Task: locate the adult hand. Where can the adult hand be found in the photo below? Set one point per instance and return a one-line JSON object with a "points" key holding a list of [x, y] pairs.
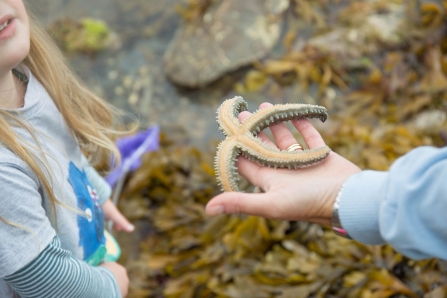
{"points": [[120, 223], [120, 274], [306, 194]]}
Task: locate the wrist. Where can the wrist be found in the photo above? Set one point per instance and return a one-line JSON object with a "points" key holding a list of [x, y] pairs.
{"points": [[336, 223], [326, 212]]}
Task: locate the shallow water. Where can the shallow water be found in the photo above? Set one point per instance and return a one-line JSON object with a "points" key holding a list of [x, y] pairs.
{"points": [[131, 75]]}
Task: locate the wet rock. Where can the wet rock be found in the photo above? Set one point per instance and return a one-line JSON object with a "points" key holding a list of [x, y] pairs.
{"points": [[228, 35], [50, 10], [365, 31], [88, 36], [428, 121]]}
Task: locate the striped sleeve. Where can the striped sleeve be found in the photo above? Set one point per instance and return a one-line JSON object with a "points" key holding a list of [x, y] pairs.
{"points": [[55, 273]]}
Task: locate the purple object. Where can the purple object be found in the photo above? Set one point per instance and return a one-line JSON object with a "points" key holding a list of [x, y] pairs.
{"points": [[132, 148]]}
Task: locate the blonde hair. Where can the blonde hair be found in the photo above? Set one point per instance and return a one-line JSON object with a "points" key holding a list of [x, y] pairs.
{"points": [[88, 116]]}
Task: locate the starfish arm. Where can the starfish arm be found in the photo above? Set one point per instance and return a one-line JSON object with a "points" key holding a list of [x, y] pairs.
{"points": [[225, 165], [261, 119], [227, 115], [254, 149], [241, 138]]}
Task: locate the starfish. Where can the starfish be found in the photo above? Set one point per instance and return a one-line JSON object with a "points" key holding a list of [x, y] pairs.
{"points": [[241, 138]]}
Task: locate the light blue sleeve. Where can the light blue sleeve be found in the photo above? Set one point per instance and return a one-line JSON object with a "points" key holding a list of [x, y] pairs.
{"points": [[405, 207], [101, 186]]}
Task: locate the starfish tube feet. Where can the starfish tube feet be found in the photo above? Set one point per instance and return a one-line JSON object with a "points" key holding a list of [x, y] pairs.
{"points": [[241, 138]]}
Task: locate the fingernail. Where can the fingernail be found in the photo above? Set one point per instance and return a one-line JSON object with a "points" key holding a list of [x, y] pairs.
{"points": [[215, 210], [130, 228]]}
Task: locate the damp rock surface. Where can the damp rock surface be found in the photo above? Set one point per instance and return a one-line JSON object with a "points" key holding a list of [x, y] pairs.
{"points": [[227, 35]]}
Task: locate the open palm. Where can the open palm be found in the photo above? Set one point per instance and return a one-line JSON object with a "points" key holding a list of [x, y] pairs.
{"points": [[303, 194]]}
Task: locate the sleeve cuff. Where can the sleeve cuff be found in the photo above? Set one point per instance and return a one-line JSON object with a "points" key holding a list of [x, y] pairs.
{"points": [[359, 206]]}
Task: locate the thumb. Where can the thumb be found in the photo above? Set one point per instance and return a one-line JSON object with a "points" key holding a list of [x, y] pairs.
{"points": [[260, 204]]}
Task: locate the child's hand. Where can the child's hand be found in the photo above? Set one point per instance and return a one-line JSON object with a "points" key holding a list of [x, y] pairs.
{"points": [[120, 274], [120, 223]]}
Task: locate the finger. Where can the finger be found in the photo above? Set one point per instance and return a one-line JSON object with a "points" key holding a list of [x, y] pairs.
{"points": [[244, 115], [120, 223], [311, 136], [249, 170], [283, 137], [242, 203]]}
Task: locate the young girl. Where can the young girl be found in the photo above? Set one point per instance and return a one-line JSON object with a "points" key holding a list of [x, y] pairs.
{"points": [[51, 218]]}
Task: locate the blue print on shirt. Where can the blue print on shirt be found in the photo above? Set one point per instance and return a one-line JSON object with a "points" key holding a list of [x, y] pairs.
{"points": [[91, 228]]}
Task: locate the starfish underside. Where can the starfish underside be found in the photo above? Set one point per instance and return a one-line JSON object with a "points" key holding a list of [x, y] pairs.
{"points": [[241, 138]]}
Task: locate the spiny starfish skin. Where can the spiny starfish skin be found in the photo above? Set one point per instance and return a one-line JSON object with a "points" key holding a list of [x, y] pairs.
{"points": [[241, 138]]}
